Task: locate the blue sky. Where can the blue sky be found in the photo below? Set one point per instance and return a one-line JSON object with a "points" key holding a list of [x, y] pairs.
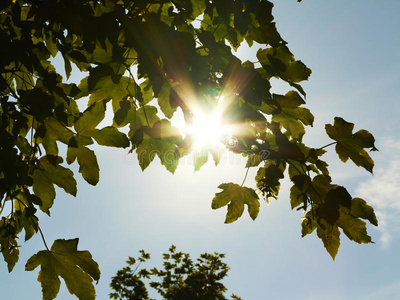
{"points": [[352, 47]]}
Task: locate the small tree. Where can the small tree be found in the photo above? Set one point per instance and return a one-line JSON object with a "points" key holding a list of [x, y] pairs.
{"points": [[181, 278]]}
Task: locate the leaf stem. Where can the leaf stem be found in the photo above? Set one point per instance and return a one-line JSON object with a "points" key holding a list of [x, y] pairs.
{"points": [[43, 239], [38, 226], [245, 176], [333, 143]]}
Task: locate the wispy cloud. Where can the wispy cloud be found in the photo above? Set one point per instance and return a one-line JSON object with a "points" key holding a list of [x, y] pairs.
{"points": [[382, 191]]}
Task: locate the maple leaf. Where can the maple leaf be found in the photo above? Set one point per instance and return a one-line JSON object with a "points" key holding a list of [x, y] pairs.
{"points": [[77, 268], [236, 196], [351, 145]]}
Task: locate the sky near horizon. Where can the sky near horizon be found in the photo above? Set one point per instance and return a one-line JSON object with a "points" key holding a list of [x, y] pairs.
{"points": [[352, 48]]}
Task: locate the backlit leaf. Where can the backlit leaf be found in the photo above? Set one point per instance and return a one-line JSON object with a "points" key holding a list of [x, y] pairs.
{"points": [[268, 180], [77, 268], [44, 189], [351, 145], [354, 228], [280, 62], [291, 116], [54, 131], [330, 236], [236, 197], [199, 159], [61, 176], [164, 101], [165, 150], [91, 117], [360, 209], [88, 166], [110, 136], [106, 88]]}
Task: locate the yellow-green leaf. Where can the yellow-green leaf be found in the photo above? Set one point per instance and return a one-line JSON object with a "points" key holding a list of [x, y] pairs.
{"points": [[110, 136], [351, 145], [59, 175], [88, 166], [77, 268], [354, 228], [360, 209], [291, 115], [44, 189], [164, 149], [236, 196], [330, 236], [91, 117]]}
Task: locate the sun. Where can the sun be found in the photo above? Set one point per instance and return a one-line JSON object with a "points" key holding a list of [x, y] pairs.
{"points": [[207, 130]]}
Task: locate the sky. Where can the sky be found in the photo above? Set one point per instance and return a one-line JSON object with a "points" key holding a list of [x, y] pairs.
{"points": [[352, 50]]}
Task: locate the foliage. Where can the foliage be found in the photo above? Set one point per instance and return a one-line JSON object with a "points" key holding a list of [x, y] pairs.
{"points": [[128, 50], [77, 268], [181, 277]]}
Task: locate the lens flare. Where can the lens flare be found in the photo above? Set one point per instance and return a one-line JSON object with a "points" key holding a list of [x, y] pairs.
{"points": [[207, 130]]}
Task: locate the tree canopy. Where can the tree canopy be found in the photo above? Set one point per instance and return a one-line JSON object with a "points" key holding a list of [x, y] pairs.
{"points": [[180, 278], [180, 53]]}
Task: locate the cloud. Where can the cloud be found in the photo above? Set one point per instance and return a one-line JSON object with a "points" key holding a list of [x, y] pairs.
{"points": [[383, 189]]}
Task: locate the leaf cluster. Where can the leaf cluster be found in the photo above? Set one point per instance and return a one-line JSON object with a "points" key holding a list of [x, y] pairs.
{"points": [[179, 53]]}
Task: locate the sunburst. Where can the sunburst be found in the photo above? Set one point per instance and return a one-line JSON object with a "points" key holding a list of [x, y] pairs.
{"points": [[207, 130]]}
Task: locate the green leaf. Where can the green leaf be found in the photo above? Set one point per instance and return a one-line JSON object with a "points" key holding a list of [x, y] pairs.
{"points": [[72, 150], [268, 180], [88, 166], [110, 136], [77, 268], [335, 199], [351, 145], [144, 116], [321, 187], [49, 173], [165, 150], [280, 62], [330, 236], [124, 113], [198, 7], [216, 154], [199, 159], [61, 176], [24, 213], [51, 44], [360, 209], [44, 189], [236, 197], [106, 88], [67, 66], [89, 120], [291, 116], [8, 244], [159, 140], [299, 192], [54, 131], [308, 225], [164, 101], [147, 92], [354, 228]]}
